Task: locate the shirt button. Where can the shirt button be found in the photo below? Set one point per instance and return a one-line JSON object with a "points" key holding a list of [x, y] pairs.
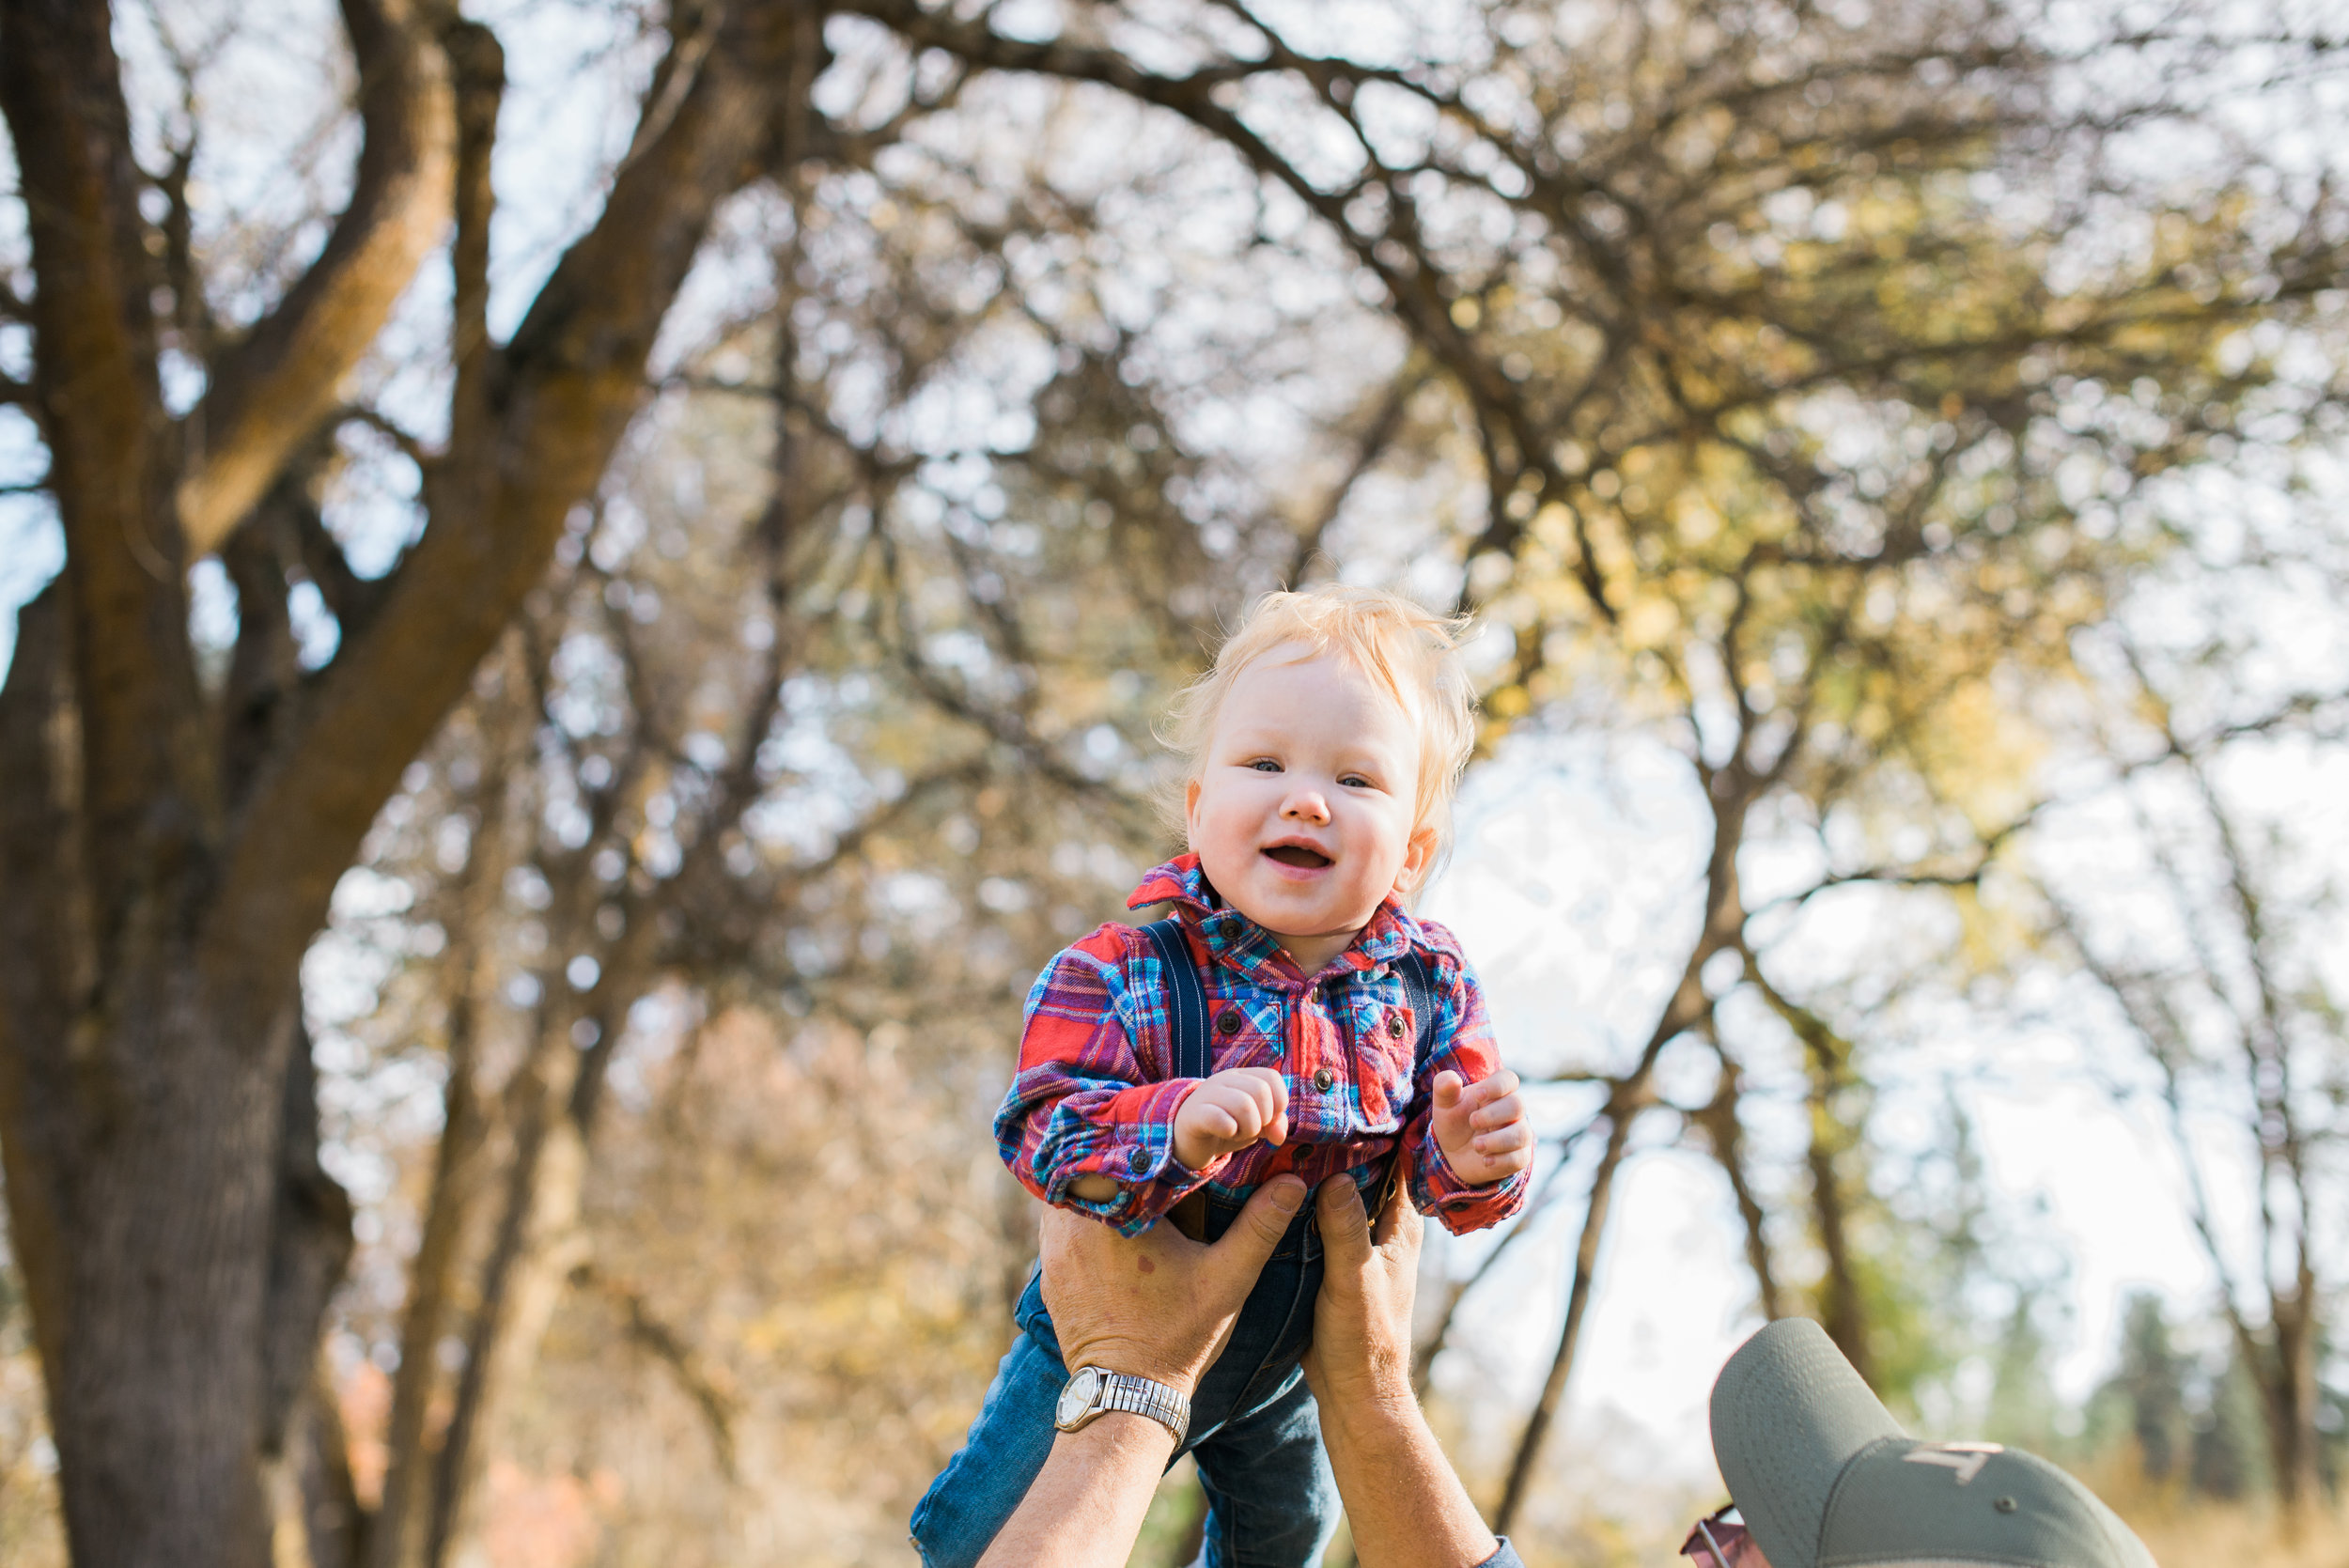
{"points": [[1394, 1025], [1229, 1023], [1323, 1077], [1138, 1160]]}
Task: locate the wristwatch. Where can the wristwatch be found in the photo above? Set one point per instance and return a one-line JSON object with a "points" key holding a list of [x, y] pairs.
{"points": [[1092, 1390]]}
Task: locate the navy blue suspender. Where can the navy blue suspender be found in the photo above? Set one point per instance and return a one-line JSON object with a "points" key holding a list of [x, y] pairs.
{"points": [[1186, 999]]}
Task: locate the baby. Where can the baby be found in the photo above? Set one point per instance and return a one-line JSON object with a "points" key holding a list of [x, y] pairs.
{"points": [[1339, 1034]]}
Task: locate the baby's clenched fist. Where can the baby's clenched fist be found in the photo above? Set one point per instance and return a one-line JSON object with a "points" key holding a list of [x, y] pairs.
{"points": [[1481, 1127], [1229, 1111]]}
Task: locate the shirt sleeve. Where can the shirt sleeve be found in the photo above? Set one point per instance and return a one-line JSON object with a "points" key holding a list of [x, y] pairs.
{"points": [[1084, 1104], [1463, 1044]]}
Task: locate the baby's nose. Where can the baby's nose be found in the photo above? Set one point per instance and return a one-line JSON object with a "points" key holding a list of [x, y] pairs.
{"points": [[1308, 804]]}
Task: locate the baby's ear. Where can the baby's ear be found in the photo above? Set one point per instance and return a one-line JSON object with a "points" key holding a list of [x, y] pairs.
{"points": [[1418, 859]]}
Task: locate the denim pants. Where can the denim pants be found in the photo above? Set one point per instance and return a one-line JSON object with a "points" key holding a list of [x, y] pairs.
{"points": [[1272, 1500]]}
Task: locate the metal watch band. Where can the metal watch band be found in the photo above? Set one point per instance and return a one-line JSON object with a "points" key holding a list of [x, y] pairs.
{"points": [[1143, 1397], [1139, 1396]]}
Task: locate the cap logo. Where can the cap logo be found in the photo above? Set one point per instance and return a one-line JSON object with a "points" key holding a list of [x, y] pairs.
{"points": [[1967, 1459]]}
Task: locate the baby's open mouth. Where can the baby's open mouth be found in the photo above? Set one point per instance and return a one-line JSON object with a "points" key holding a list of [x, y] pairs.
{"points": [[1297, 855]]}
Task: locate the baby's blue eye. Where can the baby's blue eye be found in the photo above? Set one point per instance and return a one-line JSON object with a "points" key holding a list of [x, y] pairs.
{"points": [[1264, 764], [1356, 781]]}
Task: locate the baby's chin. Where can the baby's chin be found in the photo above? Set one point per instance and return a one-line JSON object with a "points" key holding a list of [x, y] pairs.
{"points": [[1307, 918]]}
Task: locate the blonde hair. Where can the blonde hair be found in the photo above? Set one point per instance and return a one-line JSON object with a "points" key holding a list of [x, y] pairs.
{"points": [[1410, 651]]}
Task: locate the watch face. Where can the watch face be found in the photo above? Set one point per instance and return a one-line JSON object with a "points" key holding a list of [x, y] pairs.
{"points": [[1076, 1399]]}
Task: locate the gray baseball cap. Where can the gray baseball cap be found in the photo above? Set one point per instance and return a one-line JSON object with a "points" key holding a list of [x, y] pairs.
{"points": [[1825, 1477]]}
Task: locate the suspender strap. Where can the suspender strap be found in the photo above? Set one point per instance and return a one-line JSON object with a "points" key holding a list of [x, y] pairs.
{"points": [[1418, 989], [1186, 998]]}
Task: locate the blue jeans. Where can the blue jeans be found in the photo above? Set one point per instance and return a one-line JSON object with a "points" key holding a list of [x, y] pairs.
{"points": [[1272, 1500]]}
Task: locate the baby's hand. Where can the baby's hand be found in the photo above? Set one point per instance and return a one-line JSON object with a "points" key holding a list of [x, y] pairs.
{"points": [[1230, 1110], [1481, 1127]]}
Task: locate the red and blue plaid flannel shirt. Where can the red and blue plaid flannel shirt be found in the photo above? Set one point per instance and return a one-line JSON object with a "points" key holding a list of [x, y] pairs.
{"points": [[1095, 1096]]}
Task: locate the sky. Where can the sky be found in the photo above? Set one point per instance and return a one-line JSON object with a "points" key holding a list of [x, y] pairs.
{"points": [[1575, 856]]}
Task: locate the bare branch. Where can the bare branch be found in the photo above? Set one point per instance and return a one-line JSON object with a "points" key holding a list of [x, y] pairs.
{"points": [[270, 390], [1724, 1133], [647, 1329], [411, 446], [1377, 436], [478, 65]]}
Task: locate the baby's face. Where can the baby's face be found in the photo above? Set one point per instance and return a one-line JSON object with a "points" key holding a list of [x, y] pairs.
{"points": [[1302, 816]]}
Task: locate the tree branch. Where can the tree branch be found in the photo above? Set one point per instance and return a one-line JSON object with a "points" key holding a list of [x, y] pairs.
{"points": [[646, 1328], [478, 65], [147, 797], [560, 397], [390, 429], [1372, 446], [271, 389]]}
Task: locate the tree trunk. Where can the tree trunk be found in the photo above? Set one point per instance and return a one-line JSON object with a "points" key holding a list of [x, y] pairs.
{"points": [[143, 1115], [150, 1146], [1841, 1312], [1724, 1130], [164, 868], [1730, 790], [2288, 1389], [1620, 1117], [1842, 1308]]}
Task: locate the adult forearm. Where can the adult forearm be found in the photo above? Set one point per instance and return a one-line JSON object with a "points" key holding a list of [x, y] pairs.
{"points": [[1086, 1505], [1404, 1505]]}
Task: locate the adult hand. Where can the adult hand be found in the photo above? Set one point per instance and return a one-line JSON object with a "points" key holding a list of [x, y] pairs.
{"points": [[1361, 1350], [1403, 1502], [1161, 1305]]}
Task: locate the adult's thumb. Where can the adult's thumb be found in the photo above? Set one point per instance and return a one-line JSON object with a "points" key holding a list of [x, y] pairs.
{"points": [[1261, 1225]]}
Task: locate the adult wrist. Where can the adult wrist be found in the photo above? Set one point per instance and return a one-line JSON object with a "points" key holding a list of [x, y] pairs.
{"points": [[1371, 1412], [1123, 1432], [1139, 1361]]}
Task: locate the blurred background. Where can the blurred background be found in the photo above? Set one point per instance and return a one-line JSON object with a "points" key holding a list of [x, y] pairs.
{"points": [[684, 652]]}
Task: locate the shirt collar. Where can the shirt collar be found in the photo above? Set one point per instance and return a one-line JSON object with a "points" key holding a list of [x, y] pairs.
{"points": [[1249, 947]]}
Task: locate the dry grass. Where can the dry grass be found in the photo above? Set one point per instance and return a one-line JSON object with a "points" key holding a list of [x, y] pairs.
{"points": [[2187, 1532]]}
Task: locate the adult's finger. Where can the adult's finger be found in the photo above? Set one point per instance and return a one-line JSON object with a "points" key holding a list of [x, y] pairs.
{"points": [[1399, 1218], [1258, 1229], [1345, 1227]]}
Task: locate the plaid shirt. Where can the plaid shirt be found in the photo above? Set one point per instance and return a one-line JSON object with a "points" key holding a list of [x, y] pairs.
{"points": [[1095, 1095]]}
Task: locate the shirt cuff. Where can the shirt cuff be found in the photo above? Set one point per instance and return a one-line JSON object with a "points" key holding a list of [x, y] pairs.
{"points": [[1452, 1199]]}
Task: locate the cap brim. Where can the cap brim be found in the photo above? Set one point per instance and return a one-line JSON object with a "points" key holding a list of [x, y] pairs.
{"points": [[1788, 1414]]}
